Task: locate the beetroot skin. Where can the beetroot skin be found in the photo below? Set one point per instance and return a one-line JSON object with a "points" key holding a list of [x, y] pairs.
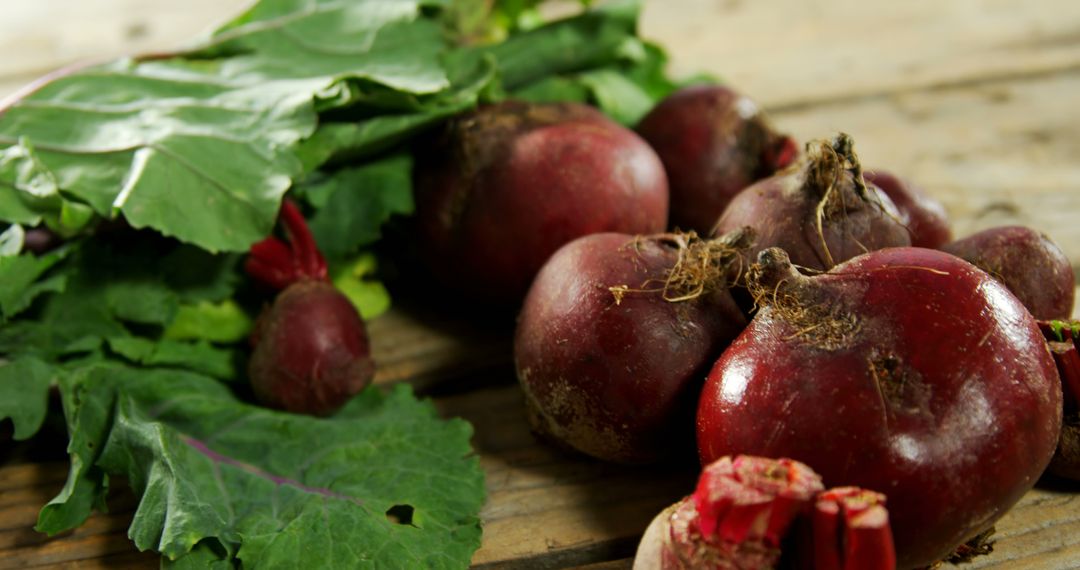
{"points": [[907, 371], [924, 216], [713, 142], [609, 367], [311, 350], [821, 213], [503, 187], [1028, 263]]}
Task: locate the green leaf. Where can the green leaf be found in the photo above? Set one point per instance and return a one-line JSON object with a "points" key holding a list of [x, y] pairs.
{"points": [[202, 147], [24, 394], [593, 39], [21, 283], [223, 322], [355, 140], [352, 278], [274, 489], [199, 357], [355, 202]]}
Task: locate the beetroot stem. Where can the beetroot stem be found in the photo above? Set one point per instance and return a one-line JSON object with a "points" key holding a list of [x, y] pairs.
{"points": [[1062, 338], [278, 265], [850, 530], [310, 261]]}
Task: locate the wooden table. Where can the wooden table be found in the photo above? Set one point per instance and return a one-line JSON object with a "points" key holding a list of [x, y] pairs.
{"points": [[976, 100]]}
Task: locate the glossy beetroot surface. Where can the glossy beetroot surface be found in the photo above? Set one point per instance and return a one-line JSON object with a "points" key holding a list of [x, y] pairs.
{"points": [[924, 216], [311, 350], [505, 186], [713, 142], [821, 212], [905, 371], [608, 365]]}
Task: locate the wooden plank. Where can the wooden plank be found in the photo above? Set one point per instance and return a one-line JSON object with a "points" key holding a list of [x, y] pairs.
{"points": [[763, 47], [798, 52], [50, 34], [996, 153], [546, 509]]}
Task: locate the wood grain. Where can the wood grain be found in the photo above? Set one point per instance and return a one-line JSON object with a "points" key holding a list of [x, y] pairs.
{"points": [[973, 99], [786, 52]]}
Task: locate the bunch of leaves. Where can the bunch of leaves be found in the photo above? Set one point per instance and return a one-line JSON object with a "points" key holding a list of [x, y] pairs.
{"points": [[159, 170], [383, 483]]}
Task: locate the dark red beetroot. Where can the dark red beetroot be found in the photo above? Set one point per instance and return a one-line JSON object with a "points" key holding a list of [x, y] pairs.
{"points": [[821, 213], [1063, 337], [614, 340], [907, 371], [713, 142], [311, 351], [924, 216], [1025, 261], [503, 187]]}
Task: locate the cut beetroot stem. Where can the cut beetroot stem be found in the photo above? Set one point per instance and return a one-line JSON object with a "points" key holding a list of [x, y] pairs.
{"points": [[850, 531], [277, 264], [752, 498], [1062, 338]]}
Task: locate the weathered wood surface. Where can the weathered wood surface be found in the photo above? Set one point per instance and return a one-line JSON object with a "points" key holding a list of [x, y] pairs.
{"points": [[974, 99]]}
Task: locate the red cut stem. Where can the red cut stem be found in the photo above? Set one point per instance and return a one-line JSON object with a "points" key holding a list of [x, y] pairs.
{"points": [[850, 531], [1066, 356], [278, 265], [306, 252], [752, 498]]}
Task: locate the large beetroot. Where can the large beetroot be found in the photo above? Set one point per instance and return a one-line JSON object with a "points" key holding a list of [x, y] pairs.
{"points": [[615, 337], [713, 142], [500, 189], [821, 213], [907, 371]]}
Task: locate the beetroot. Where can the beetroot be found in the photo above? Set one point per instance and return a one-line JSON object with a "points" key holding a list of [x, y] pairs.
{"points": [[311, 350], [713, 142], [821, 213], [503, 187], [1026, 262], [1063, 338], [756, 513], [924, 216], [907, 371], [615, 336]]}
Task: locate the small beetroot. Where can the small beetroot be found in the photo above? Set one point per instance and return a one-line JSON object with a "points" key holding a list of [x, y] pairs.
{"points": [[615, 336], [713, 142], [754, 513], [923, 216], [1027, 262], [311, 350], [820, 213]]}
